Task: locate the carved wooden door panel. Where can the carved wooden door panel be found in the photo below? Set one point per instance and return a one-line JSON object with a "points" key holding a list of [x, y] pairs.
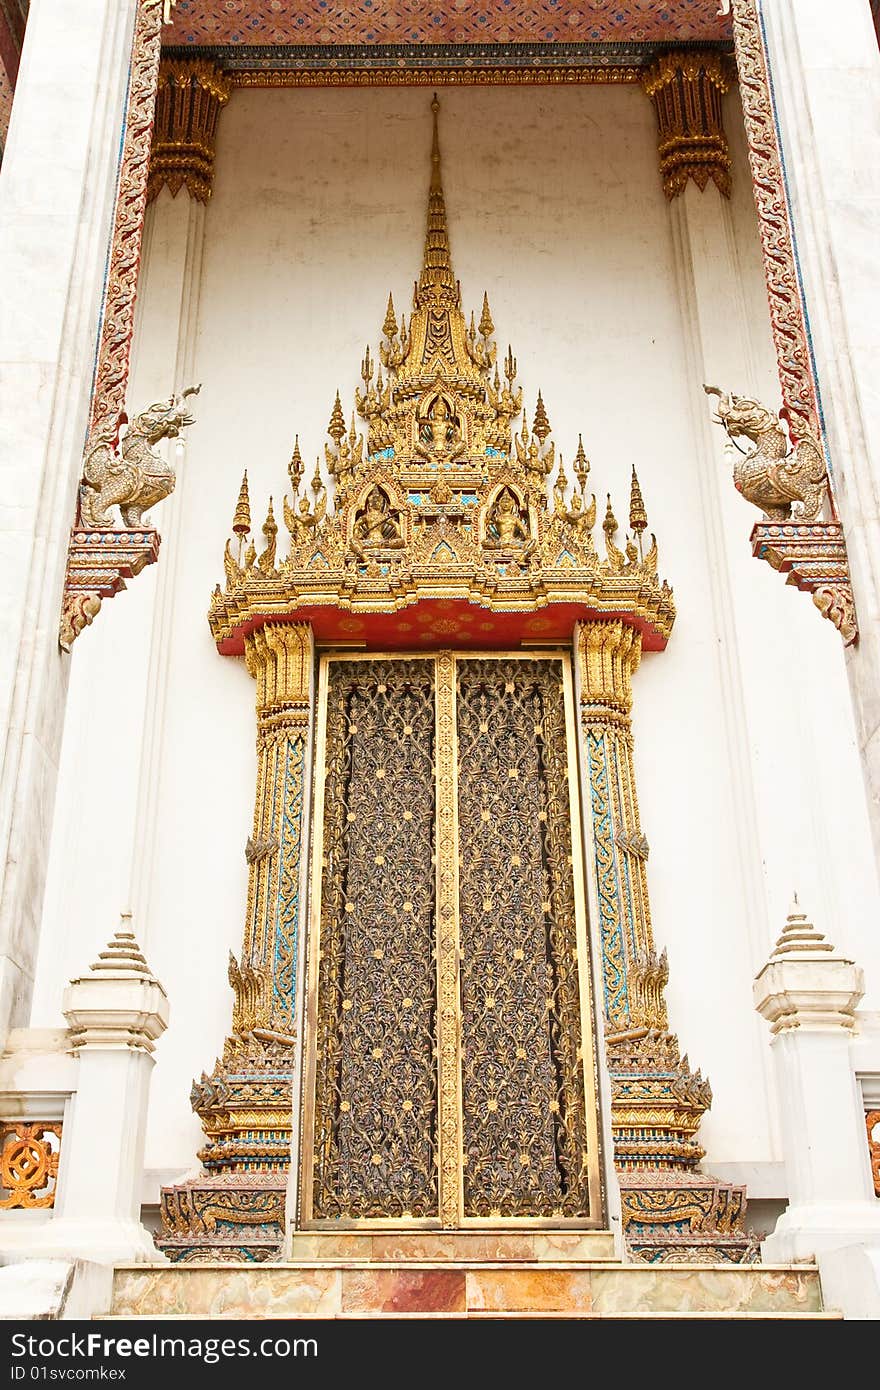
{"points": [[450, 1042]]}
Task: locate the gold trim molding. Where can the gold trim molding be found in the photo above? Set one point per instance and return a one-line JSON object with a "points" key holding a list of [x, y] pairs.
{"points": [[686, 88], [430, 78]]}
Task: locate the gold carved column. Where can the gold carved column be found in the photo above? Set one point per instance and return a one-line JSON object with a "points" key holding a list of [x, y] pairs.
{"points": [[657, 1103], [235, 1210], [190, 95], [686, 87]]}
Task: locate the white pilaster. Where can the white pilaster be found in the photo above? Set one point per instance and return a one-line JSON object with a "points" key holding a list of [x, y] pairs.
{"points": [[118, 685], [718, 347], [164, 362], [808, 993], [57, 190], [115, 1013], [825, 74]]}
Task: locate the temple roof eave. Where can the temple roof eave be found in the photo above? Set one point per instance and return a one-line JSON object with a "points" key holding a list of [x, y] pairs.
{"points": [[564, 598]]}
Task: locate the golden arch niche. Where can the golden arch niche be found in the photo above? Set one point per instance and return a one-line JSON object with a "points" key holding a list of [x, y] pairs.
{"points": [[450, 1061]]}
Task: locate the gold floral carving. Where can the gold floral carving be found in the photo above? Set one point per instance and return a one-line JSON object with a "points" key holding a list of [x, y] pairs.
{"points": [[686, 87], [524, 1125], [245, 1104], [657, 1102], [28, 1164], [190, 95]]}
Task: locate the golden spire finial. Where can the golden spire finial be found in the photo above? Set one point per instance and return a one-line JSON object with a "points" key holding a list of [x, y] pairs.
{"points": [[437, 269], [540, 424], [336, 428], [487, 327], [270, 531], [389, 327], [609, 525], [295, 467], [638, 517], [241, 521], [581, 464]]}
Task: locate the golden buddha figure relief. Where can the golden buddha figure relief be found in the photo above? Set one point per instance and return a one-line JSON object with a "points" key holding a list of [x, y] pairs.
{"points": [[507, 527], [439, 432], [376, 525]]}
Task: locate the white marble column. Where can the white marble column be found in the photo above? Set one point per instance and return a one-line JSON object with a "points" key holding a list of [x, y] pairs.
{"points": [[57, 190], [825, 75]]}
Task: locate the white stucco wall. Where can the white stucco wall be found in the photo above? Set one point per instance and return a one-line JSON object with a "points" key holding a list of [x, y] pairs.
{"points": [[555, 208]]}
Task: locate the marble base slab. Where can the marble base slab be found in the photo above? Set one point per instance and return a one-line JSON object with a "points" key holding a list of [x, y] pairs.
{"points": [[436, 1288], [482, 1247]]}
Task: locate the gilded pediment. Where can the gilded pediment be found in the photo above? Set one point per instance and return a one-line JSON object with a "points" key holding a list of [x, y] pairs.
{"points": [[436, 487]]}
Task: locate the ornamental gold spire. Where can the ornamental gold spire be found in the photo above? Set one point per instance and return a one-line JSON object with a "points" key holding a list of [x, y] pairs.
{"points": [[436, 280], [241, 521], [638, 517]]}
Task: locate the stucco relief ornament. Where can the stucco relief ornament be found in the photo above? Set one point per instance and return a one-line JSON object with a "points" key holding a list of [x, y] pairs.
{"points": [[784, 474], [131, 475], [123, 475]]}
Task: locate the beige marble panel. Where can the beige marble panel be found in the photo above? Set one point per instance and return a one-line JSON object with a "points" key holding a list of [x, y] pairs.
{"points": [[574, 1245], [227, 1291], [422, 1245], [336, 1245], [705, 1288]]}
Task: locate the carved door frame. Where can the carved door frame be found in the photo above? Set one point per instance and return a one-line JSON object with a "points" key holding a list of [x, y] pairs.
{"points": [[449, 1102]]}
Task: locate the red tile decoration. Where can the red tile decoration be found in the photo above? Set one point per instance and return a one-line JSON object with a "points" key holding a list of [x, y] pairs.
{"points": [[229, 22]]}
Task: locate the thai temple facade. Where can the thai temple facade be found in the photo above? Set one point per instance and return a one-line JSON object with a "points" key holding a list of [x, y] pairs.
{"points": [[442, 876]]}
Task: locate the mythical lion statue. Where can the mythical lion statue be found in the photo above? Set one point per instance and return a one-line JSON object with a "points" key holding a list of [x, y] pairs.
{"points": [[784, 483], [130, 475]]}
